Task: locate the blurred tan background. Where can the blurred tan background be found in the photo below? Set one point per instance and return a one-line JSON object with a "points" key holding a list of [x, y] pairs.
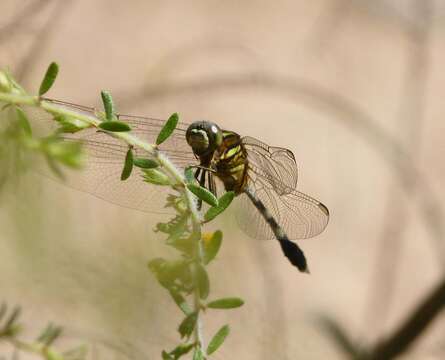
{"points": [[354, 88]]}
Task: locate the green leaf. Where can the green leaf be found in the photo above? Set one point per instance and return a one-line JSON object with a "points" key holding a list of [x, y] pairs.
{"points": [[49, 334], [168, 129], [5, 83], [176, 227], [189, 175], [218, 339], [68, 153], [145, 163], [70, 124], [203, 281], [155, 265], [108, 105], [13, 86], [167, 272], [128, 166], [166, 356], [114, 126], [77, 353], [154, 176], [23, 121], [3, 310], [49, 78], [181, 349], [11, 327], [55, 168], [203, 194], [12, 320], [212, 246], [188, 325], [180, 301], [51, 354], [198, 355], [223, 203], [226, 303]]}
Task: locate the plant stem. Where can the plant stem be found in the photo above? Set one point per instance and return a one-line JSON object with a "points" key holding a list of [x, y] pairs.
{"points": [[196, 226]]}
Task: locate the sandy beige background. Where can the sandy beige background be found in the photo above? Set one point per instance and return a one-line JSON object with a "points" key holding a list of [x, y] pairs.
{"points": [[354, 88]]}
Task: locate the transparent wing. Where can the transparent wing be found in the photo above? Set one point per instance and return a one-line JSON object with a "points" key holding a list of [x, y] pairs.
{"points": [[275, 165], [298, 214], [105, 160]]}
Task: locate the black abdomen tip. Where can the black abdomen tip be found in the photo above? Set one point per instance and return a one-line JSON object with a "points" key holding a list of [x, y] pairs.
{"points": [[294, 254]]}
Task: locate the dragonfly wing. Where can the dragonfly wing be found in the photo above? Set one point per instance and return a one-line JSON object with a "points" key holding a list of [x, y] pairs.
{"points": [[298, 214], [105, 159], [276, 165]]}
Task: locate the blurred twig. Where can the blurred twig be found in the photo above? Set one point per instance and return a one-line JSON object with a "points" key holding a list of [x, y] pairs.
{"points": [[413, 326], [340, 337], [402, 338], [412, 109]]}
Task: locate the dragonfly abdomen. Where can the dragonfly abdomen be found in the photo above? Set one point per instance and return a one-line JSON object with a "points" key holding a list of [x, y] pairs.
{"points": [[291, 250]]}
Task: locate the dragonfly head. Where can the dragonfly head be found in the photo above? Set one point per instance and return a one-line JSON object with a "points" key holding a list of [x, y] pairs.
{"points": [[204, 137]]}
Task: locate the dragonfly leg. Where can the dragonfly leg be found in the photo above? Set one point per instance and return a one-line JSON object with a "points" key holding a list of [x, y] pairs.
{"points": [[205, 168], [201, 180], [197, 172], [211, 182]]}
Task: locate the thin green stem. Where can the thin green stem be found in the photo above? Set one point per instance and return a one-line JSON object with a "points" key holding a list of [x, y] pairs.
{"points": [[199, 255], [19, 99]]}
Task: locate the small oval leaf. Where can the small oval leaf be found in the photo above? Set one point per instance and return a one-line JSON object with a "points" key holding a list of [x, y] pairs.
{"points": [[218, 339], [226, 303], [154, 176], [180, 301], [188, 325], [5, 83], [49, 78], [203, 281], [181, 349], [212, 246], [70, 124], [198, 355], [145, 163], [168, 129], [23, 120], [166, 356], [114, 126], [128, 165], [189, 175], [53, 355], [223, 203], [203, 194], [108, 105]]}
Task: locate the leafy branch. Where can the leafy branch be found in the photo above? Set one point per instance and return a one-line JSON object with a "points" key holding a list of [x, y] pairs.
{"points": [[43, 345], [186, 278]]}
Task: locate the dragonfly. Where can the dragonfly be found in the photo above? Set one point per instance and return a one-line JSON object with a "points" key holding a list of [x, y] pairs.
{"points": [[263, 178]]}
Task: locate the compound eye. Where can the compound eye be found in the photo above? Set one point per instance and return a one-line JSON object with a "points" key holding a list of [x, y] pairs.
{"points": [[203, 137], [197, 138]]}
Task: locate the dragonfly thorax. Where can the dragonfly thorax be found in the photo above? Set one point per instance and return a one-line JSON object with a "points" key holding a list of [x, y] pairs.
{"points": [[204, 137]]}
